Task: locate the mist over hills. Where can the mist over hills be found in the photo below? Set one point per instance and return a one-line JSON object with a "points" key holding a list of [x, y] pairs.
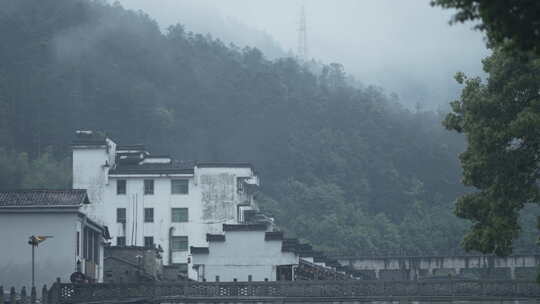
{"points": [[200, 17], [343, 167], [406, 48]]}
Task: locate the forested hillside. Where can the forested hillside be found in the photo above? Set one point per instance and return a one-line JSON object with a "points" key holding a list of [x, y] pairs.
{"points": [[345, 168]]}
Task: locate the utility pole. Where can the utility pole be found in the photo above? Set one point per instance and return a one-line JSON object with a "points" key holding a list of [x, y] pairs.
{"points": [[302, 35], [33, 267], [34, 241]]}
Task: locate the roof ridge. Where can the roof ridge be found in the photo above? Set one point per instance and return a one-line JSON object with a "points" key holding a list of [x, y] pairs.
{"points": [[40, 190], [43, 197]]}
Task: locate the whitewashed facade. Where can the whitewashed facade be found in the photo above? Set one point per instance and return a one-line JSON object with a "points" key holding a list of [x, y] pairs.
{"points": [[76, 242], [245, 252], [153, 200]]}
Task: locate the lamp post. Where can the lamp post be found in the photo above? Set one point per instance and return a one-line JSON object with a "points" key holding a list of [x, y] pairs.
{"points": [[34, 241]]}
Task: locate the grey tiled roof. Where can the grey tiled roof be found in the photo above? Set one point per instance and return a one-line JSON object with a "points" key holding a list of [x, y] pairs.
{"points": [[199, 250], [245, 227], [135, 147], [154, 168], [89, 138], [206, 164], [132, 163], [289, 245], [273, 236], [215, 237], [43, 198]]}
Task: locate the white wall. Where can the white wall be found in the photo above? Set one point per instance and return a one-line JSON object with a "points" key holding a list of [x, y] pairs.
{"points": [[242, 254], [212, 200], [162, 201], [55, 257], [219, 197], [90, 173]]}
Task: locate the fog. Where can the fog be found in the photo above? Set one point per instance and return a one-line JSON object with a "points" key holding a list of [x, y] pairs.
{"points": [[406, 47]]}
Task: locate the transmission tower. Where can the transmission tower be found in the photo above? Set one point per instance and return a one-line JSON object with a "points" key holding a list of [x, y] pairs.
{"points": [[302, 35]]}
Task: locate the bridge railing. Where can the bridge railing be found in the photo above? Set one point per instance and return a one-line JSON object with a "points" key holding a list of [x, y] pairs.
{"points": [[73, 293]]}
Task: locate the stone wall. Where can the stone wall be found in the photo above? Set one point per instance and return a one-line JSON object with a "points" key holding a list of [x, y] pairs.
{"points": [[175, 272], [132, 265], [458, 291], [522, 267], [352, 291]]}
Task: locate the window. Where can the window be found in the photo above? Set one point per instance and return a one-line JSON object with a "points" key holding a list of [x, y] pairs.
{"points": [[240, 184], [179, 215], [96, 248], [120, 241], [85, 243], [179, 186], [148, 186], [121, 186], [179, 243], [120, 215], [149, 242], [148, 215], [89, 245], [78, 243]]}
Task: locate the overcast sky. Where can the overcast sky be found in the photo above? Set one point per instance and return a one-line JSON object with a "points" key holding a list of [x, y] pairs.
{"points": [[406, 47]]}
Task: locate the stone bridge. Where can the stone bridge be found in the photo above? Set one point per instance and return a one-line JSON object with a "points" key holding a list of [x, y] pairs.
{"points": [[353, 291]]}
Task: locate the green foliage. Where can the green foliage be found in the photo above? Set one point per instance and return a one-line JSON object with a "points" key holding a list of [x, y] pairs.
{"points": [[501, 119], [13, 168], [47, 172], [502, 20], [18, 171]]}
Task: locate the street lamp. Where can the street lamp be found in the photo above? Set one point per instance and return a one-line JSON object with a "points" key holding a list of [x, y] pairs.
{"points": [[34, 241]]}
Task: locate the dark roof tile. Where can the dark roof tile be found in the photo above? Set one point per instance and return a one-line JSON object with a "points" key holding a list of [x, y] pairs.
{"points": [[43, 198], [215, 237], [224, 165], [135, 147], [154, 168], [289, 245], [245, 227], [273, 236], [199, 250], [89, 138], [132, 165]]}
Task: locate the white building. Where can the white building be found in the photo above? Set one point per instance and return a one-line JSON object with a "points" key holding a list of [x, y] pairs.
{"points": [[148, 200], [245, 252], [75, 243], [253, 252]]}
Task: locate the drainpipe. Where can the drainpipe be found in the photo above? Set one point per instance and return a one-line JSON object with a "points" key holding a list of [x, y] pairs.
{"points": [[170, 244]]}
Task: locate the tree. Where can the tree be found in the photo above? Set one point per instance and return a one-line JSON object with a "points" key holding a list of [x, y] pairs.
{"points": [[343, 166], [501, 119], [516, 20]]}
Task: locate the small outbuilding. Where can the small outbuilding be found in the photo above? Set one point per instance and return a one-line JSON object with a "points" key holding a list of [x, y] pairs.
{"points": [[66, 240], [132, 264], [245, 252], [255, 252]]}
